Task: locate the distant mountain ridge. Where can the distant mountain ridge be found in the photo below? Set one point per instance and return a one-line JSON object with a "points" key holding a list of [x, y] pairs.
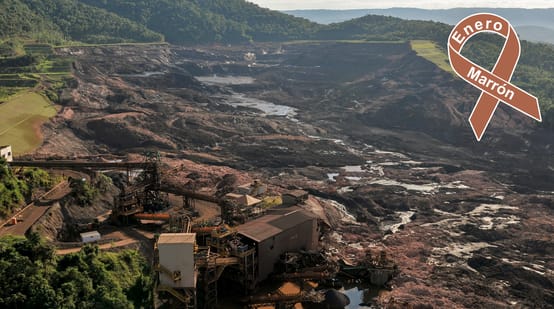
{"points": [[535, 25]]}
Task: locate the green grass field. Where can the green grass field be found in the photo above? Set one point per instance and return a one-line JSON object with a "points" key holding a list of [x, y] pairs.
{"points": [[430, 51], [48, 68], [20, 121]]}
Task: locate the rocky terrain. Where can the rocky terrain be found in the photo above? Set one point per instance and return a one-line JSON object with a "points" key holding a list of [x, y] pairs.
{"points": [[378, 135]]}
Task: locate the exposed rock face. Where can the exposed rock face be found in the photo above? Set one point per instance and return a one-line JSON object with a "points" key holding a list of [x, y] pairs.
{"points": [[468, 223]]}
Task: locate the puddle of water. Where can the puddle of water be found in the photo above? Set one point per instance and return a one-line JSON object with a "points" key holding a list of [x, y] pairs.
{"points": [[395, 154], [490, 208], [426, 188], [345, 190], [487, 215], [353, 169], [464, 250], [411, 162], [534, 267], [331, 176], [268, 108], [334, 140], [359, 295], [388, 163], [455, 185], [377, 169], [459, 250], [498, 222], [405, 218], [225, 80], [143, 74]]}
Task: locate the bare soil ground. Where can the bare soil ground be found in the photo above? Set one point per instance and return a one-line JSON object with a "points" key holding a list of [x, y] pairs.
{"points": [[379, 137]]}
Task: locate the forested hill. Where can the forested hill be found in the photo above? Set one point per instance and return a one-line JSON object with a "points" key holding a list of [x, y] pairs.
{"points": [[194, 21], [58, 20], [16, 19], [385, 28], [535, 25], [190, 22], [176, 21]]}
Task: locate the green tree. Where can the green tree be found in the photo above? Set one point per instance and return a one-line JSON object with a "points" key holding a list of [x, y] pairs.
{"points": [[34, 277], [12, 189], [83, 192]]}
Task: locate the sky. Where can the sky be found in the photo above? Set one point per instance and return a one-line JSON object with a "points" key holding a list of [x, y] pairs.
{"points": [[373, 4]]}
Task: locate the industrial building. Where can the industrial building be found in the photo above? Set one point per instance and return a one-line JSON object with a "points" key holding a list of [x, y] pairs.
{"points": [[89, 237], [176, 253], [6, 153], [243, 200], [190, 264], [280, 231], [255, 189], [294, 197]]}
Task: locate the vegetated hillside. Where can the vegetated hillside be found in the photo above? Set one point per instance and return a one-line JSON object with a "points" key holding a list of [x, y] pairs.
{"points": [[17, 19], [384, 28], [34, 277], [180, 21], [532, 24], [54, 21], [534, 72], [207, 21], [263, 24], [85, 23], [14, 189], [517, 16]]}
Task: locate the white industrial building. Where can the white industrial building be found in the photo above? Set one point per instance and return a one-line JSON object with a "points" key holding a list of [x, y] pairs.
{"points": [[89, 237], [176, 254], [6, 153]]}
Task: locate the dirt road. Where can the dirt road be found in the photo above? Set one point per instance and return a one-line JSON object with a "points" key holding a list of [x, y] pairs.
{"points": [[26, 219], [31, 213], [121, 243]]}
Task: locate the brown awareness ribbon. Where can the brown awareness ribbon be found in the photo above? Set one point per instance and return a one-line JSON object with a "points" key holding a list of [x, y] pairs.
{"points": [[490, 83]]}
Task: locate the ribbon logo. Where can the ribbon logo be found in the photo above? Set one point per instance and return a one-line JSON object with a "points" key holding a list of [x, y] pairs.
{"points": [[495, 85]]}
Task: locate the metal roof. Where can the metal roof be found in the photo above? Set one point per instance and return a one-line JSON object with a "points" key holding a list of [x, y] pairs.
{"points": [[243, 199], [233, 196], [291, 220], [90, 234], [177, 238], [274, 223], [248, 200]]}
